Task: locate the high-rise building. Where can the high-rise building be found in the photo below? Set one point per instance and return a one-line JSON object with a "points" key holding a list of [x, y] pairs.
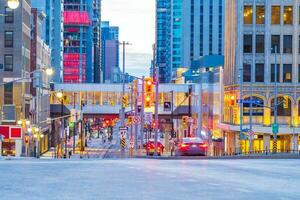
{"points": [[97, 41], [52, 33], [73, 31], [40, 57], [187, 30], [261, 38], [162, 37], [110, 53], [78, 59]]}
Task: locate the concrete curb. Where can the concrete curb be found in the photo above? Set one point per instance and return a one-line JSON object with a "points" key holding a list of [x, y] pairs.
{"points": [[297, 156]]}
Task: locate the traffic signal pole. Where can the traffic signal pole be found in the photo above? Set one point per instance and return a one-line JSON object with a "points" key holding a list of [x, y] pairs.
{"points": [[142, 111], [156, 110], [122, 111], [275, 104]]}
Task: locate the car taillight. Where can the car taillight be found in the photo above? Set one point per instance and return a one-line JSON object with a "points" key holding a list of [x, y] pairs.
{"points": [[203, 145], [184, 146]]}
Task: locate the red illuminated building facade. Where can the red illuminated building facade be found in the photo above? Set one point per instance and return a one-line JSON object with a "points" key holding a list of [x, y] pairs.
{"points": [[78, 59]]}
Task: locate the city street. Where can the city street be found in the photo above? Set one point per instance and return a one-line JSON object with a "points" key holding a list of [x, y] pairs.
{"points": [[149, 179]]}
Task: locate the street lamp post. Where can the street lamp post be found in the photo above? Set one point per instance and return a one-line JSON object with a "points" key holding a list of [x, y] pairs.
{"points": [[37, 135], [60, 96]]}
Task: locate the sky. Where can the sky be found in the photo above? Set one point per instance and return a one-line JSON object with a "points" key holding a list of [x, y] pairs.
{"points": [[136, 21]]}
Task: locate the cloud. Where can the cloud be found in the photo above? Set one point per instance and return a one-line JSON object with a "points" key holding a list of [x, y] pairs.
{"points": [[136, 19]]}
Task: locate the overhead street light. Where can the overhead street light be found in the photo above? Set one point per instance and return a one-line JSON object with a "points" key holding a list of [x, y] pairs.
{"points": [[49, 71], [13, 4], [59, 95]]}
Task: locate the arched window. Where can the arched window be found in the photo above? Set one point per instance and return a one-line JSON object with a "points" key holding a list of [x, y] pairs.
{"points": [[257, 106], [257, 110], [282, 109]]}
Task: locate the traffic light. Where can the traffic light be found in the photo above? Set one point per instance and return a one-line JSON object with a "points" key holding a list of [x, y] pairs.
{"points": [[154, 125], [184, 120], [285, 102], [124, 101], [148, 85], [130, 120], [232, 100], [148, 101]]}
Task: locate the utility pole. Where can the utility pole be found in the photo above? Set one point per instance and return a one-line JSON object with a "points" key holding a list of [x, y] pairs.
{"points": [[136, 86], [275, 125], [241, 106], [74, 129], [131, 109], [250, 136], [190, 110], [122, 111], [200, 106], [142, 110], [156, 109], [172, 113]]}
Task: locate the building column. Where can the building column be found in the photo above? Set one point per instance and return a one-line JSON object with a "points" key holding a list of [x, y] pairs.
{"points": [[267, 139], [236, 142], [18, 147], [294, 142], [267, 116]]}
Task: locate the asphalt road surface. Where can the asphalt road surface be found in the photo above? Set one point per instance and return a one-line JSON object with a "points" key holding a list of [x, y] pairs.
{"points": [[144, 179]]}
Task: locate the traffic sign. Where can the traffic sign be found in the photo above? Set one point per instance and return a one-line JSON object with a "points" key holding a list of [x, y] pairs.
{"points": [[167, 106], [245, 130], [275, 128], [250, 134], [123, 132], [148, 117], [255, 101]]}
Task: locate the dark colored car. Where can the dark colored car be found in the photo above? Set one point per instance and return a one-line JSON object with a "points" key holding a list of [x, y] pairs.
{"points": [[191, 147], [150, 148]]}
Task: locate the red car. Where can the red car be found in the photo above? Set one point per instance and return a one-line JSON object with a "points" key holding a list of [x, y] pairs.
{"points": [[191, 147], [150, 148]]}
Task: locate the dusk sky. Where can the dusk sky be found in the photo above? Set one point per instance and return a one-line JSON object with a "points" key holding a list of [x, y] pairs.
{"points": [[136, 19]]}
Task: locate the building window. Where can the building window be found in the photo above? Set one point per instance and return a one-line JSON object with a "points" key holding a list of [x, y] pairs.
{"points": [[8, 39], [248, 11], [257, 108], [273, 73], [247, 43], [259, 72], [8, 93], [275, 15], [8, 63], [247, 73], [9, 15], [260, 14], [287, 44], [260, 43], [287, 73], [281, 110], [288, 15], [275, 42]]}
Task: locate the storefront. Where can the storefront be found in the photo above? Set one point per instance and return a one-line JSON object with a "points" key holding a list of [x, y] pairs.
{"points": [[12, 140]]}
